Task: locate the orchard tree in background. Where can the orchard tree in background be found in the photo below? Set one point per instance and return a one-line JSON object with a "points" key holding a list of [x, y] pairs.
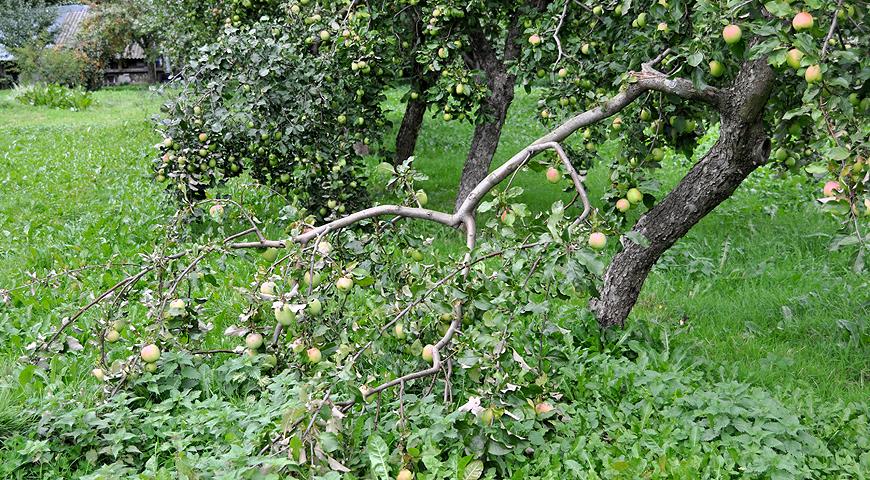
{"points": [[25, 22], [294, 100]]}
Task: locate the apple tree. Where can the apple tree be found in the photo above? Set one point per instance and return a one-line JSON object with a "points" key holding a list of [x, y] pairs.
{"points": [[287, 99], [334, 305]]}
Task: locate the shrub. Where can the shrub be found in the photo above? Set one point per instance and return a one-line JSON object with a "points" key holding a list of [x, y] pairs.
{"points": [[61, 66], [55, 96], [280, 101]]}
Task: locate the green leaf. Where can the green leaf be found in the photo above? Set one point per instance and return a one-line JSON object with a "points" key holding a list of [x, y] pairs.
{"points": [[816, 169], [838, 154], [778, 9], [473, 470], [378, 452]]}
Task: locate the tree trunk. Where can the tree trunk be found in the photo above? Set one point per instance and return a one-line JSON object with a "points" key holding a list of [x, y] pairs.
{"points": [[486, 135], [501, 86], [412, 122], [743, 145]]}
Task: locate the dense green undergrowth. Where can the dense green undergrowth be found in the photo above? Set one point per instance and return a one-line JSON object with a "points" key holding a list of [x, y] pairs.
{"points": [[748, 345]]}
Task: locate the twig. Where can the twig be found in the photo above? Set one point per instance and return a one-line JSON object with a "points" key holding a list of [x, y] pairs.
{"points": [[831, 31]]}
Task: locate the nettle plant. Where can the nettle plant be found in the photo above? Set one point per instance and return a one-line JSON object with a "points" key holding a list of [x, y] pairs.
{"points": [[286, 100]]}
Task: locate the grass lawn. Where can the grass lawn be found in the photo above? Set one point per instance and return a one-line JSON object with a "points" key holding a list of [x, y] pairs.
{"points": [[753, 289]]}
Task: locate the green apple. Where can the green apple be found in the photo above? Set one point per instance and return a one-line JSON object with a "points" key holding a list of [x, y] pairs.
{"points": [[793, 58], [254, 341], [781, 154], [270, 254], [314, 307], [268, 288], [112, 336], [415, 254], [717, 69], [344, 284], [634, 196], [285, 315], [422, 198]]}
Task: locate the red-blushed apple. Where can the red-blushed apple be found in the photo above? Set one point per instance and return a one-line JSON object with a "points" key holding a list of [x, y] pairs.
{"points": [[553, 175], [344, 284], [203, 137], [535, 39], [813, 74], [793, 58], [562, 73], [428, 352], [504, 215], [623, 205], [150, 353], [634, 196], [216, 212], [543, 408], [732, 34], [314, 355], [802, 21], [254, 341], [404, 474], [830, 188], [717, 69], [597, 240]]}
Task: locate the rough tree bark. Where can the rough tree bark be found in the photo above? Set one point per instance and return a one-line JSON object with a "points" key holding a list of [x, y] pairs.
{"points": [[742, 147], [501, 84], [409, 131], [486, 135]]}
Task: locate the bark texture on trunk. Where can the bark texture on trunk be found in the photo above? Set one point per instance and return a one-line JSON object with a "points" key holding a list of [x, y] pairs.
{"points": [[485, 57], [415, 110], [412, 122], [486, 135], [742, 147]]}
